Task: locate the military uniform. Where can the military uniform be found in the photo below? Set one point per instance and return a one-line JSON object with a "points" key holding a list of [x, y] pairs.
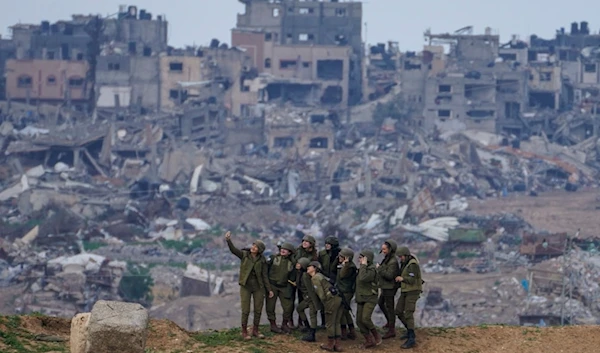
{"points": [[411, 288], [346, 284], [281, 272], [253, 281], [329, 262], [312, 255], [388, 271], [332, 304], [367, 289], [310, 301], [329, 258]]}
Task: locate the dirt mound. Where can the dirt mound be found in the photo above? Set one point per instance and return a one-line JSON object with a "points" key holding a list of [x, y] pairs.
{"points": [[37, 334]]}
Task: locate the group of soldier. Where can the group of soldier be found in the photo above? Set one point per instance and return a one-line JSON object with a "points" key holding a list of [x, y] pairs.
{"points": [[326, 281]]}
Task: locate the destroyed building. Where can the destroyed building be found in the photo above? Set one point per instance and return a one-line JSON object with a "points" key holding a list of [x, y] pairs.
{"points": [[472, 89], [130, 32], [7, 51], [304, 38], [383, 68], [63, 58], [133, 79]]}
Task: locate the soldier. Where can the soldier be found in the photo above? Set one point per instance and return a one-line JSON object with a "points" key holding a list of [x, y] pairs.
{"points": [[329, 262], [306, 249], [346, 283], [281, 273], [411, 284], [388, 270], [329, 257], [367, 288], [332, 303], [310, 300], [253, 281]]}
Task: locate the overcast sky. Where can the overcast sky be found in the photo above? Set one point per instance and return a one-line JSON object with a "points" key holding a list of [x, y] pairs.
{"points": [[198, 21]]}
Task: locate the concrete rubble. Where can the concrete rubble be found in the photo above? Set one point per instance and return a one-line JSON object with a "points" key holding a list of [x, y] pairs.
{"points": [[122, 187], [171, 203]]}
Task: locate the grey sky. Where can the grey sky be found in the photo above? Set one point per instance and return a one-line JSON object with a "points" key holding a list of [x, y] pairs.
{"points": [[197, 21]]}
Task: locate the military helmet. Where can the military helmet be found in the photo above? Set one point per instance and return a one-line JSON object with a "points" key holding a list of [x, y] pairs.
{"points": [[260, 245], [304, 261], [333, 241], [316, 265], [288, 246], [310, 239], [403, 251], [368, 254], [347, 252], [392, 245]]}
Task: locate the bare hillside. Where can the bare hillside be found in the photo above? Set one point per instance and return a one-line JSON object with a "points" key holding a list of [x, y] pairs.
{"points": [[37, 334]]}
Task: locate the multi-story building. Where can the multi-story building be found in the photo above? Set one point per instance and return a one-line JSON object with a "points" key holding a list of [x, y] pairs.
{"points": [[7, 51], [272, 32], [134, 79], [130, 32], [47, 81], [183, 74], [472, 88]]}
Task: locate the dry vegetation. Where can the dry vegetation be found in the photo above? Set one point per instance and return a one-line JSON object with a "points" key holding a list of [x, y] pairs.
{"points": [[40, 334]]}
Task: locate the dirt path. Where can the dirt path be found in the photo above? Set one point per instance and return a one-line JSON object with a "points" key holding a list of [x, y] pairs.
{"points": [[37, 334]]}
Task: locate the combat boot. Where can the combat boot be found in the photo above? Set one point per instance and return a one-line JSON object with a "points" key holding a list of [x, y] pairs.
{"points": [[285, 328], [412, 340], [352, 332], [376, 337], [305, 326], [369, 342], [391, 333], [274, 327], [310, 336], [344, 335], [404, 335], [337, 345], [245, 334], [256, 333], [329, 346]]}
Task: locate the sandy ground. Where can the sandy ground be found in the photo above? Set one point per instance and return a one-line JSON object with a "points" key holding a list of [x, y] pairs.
{"points": [[556, 211], [33, 333]]}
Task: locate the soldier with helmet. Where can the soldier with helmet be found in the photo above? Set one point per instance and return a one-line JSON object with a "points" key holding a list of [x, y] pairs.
{"points": [[253, 281], [281, 270], [411, 286], [388, 270], [310, 300], [346, 283], [332, 303], [367, 289], [329, 263], [308, 249]]}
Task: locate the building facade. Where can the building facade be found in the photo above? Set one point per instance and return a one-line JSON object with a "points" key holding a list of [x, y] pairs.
{"points": [[49, 81], [266, 25]]}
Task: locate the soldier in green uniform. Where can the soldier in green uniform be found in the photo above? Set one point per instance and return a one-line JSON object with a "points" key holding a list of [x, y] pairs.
{"points": [[388, 270], [332, 303], [329, 262], [411, 283], [281, 273], [253, 281], [346, 284], [310, 300], [367, 289], [306, 249]]}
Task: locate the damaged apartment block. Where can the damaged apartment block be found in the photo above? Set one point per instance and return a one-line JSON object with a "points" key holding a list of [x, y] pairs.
{"points": [[318, 41], [469, 88]]}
